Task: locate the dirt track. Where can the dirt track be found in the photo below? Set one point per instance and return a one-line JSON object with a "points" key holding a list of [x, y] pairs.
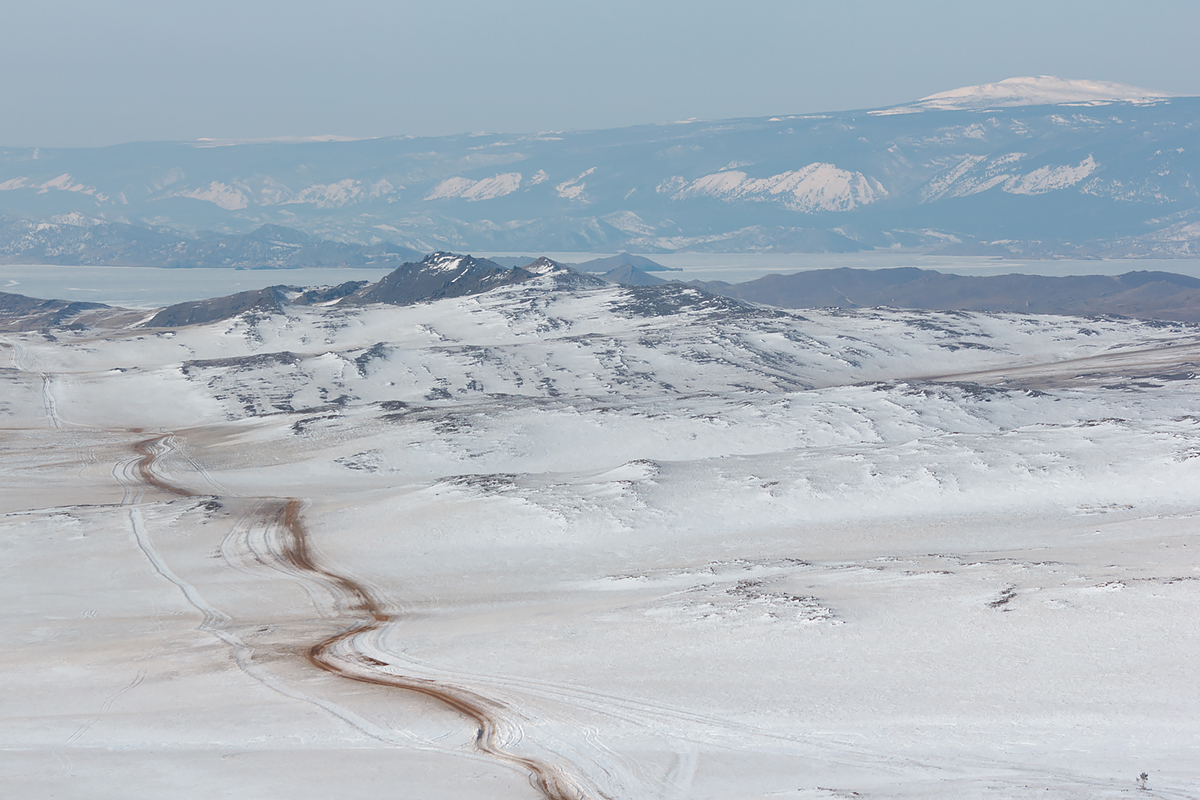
{"points": [[337, 655]]}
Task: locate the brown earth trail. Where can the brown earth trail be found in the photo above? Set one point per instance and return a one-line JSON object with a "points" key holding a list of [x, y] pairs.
{"points": [[336, 654]]}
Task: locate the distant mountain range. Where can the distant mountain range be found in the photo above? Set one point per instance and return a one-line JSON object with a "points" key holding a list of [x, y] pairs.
{"points": [[1141, 294], [609, 263], [1032, 166], [1147, 295], [86, 242]]}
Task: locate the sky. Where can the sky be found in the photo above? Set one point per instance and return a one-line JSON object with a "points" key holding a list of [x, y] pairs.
{"points": [[84, 73]]}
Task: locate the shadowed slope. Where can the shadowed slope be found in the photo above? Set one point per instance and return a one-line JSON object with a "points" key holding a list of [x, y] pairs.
{"points": [[1154, 295]]}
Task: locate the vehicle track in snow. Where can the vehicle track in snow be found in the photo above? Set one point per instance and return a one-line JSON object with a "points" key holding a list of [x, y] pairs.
{"points": [[338, 655], [22, 361], [282, 544]]}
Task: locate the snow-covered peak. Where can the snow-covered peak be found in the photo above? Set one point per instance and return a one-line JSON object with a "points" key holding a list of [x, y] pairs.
{"points": [[443, 262], [1035, 91], [544, 266]]}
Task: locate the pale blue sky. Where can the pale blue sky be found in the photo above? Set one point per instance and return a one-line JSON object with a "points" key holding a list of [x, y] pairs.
{"points": [[75, 73]]}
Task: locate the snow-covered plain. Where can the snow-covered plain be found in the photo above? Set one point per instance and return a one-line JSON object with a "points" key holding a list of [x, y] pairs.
{"points": [[675, 546]]}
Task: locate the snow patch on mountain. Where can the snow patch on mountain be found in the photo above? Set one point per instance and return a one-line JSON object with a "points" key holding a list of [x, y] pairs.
{"points": [[544, 266], [341, 193], [443, 262], [1037, 91], [329, 137], [74, 220], [671, 185], [976, 173], [573, 189], [629, 222], [816, 187], [1049, 179], [230, 198], [485, 189], [62, 183]]}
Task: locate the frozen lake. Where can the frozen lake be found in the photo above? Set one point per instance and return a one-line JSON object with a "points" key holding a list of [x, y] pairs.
{"points": [[738, 267], [148, 287], [145, 287]]}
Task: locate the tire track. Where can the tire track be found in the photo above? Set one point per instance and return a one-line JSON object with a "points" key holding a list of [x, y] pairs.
{"points": [[49, 402], [215, 622], [22, 362], [64, 761], [337, 654]]}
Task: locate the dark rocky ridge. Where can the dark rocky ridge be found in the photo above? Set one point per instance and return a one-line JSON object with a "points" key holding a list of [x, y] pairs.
{"points": [[611, 263], [1147, 295], [270, 300], [442, 275], [21, 313], [437, 276], [1152, 295], [628, 275]]}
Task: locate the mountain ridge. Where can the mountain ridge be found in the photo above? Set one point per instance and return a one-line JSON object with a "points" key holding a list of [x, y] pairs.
{"points": [[1141, 294], [1108, 177], [78, 241]]}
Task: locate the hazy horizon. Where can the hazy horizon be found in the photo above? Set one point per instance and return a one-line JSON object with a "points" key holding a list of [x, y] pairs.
{"points": [[82, 75]]}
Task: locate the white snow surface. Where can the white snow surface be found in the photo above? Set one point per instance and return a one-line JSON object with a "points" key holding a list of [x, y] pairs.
{"points": [[688, 548]]}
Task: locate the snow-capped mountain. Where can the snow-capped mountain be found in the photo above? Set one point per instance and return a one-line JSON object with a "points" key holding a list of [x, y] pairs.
{"points": [[1032, 165], [1043, 90]]}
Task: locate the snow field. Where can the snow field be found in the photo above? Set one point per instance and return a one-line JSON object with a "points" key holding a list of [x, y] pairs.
{"points": [[690, 549]]}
